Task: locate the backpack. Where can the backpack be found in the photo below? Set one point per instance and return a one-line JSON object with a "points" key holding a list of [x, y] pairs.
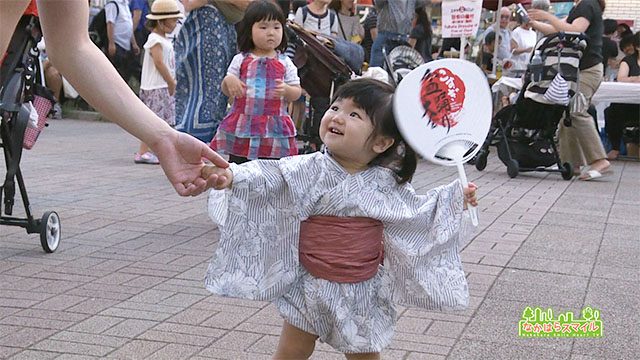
{"points": [[98, 26], [332, 16]]}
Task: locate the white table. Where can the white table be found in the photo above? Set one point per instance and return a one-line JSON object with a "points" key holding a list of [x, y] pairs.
{"points": [[610, 91]]}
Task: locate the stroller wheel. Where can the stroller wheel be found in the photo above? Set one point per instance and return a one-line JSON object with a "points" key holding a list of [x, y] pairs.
{"points": [[481, 161], [50, 231], [567, 171], [513, 168]]}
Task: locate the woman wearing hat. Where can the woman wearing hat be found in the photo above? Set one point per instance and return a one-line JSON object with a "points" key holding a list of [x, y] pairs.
{"points": [[158, 84], [204, 49]]}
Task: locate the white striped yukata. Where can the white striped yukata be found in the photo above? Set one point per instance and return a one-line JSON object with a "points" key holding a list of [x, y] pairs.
{"points": [[257, 257]]}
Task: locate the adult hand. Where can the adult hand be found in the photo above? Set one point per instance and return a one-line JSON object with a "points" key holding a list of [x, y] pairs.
{"points": [[111, 49], [235, 86], [224, 177], [135, 49], [470, 195], [538, 15], [181, 157]]}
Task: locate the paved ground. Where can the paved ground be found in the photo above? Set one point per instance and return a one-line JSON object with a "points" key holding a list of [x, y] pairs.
{"points": [[127, 279]]}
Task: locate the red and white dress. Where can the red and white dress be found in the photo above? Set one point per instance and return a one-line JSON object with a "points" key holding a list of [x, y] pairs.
{"points": [[258, 125]]}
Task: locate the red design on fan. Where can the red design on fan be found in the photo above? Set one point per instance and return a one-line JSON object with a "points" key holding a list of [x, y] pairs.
{"points": [[442, 96]]}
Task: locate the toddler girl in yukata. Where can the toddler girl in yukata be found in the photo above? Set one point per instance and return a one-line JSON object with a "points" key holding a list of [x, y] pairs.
{"points": [[337, 239]]}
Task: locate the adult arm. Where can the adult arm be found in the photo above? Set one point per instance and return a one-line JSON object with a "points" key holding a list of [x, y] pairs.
{"points": [[136, 14], [111, 47], [64, 25], [554, 24], [518, 50], [623, 74]]}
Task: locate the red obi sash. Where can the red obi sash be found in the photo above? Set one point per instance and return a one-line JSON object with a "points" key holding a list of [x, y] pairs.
{"points": [[341, 249]]}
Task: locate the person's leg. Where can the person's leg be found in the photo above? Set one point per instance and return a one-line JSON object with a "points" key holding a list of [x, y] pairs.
{"points": [[294, 343], [568, 147], [613, 126], [363, 356], [143, 149], [376, 49], [582, 123], [53, 78]]}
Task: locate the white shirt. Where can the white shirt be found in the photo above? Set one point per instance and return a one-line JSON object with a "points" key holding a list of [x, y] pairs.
{"points": [[122, 22], [321, 24], [151, 77], [525, 39]]}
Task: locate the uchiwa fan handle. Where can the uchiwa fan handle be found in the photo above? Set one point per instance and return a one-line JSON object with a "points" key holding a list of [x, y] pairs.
{"points": [[463, 178]]}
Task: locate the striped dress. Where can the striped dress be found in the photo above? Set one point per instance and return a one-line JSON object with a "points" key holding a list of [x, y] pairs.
{"points": [[258, 125], [257, 256], [204, 48]]}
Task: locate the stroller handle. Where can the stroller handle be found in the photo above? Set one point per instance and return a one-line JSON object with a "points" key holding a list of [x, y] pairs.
{"points": [[573, 40]]}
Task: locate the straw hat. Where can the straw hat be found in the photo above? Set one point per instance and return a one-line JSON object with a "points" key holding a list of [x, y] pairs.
{"points": [[164, 9]]}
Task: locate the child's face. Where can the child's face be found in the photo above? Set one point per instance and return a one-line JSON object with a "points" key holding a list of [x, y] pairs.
{"points": [[346, 131], [323, 2], [266, 34], [628, 50], [169, 24]]}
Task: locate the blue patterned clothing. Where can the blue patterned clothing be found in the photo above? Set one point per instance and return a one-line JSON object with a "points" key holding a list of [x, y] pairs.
{"points": [[258, 257], [204, 49]]}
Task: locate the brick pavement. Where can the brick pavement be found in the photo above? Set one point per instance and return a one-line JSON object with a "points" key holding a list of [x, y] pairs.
{"points": [[127, 279]]}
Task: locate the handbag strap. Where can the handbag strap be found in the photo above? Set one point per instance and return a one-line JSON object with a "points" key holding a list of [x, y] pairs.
{"points": [[344, 35]]}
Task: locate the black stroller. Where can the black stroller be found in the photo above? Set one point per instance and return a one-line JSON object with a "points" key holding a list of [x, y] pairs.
{"points": [[524, 133], [400, 60], [18, 87], [321, 72]]}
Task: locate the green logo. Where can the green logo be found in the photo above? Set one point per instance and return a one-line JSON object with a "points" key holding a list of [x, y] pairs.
{"points": [[540, 323]]}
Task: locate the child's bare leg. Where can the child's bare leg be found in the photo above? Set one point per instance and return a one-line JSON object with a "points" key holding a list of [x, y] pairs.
{"points": [[294, 343], [363, 356], [143, 148]]}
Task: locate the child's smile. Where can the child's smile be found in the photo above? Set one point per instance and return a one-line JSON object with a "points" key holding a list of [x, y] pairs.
{"points": [[346, 131]]}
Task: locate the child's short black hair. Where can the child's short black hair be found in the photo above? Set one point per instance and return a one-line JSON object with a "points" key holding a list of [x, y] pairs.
{"points": [[151, 24], [259, 10], [376, 99]]}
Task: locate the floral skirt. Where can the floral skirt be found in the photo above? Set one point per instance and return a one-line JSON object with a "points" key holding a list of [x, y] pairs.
{"points": [[351, 317], [161, 103]]}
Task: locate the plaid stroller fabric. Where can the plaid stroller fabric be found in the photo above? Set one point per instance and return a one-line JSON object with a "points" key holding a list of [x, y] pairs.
{"points": [[43, 107], [258, 125], [560, 54]]}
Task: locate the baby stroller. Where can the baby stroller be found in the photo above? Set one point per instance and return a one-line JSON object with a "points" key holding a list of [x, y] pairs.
{"points": [[524, 133], [321, 72], [18, 88], [400, 60]]}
